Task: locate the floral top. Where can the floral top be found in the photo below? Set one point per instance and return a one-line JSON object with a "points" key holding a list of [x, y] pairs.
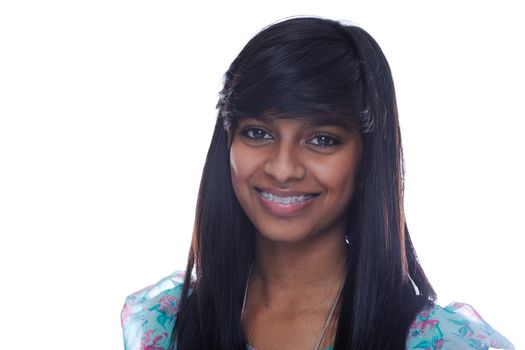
{"points": [[148, 317]]}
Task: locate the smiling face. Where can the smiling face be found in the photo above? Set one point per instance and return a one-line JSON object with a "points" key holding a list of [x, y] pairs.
{"points": [[295, 178]]}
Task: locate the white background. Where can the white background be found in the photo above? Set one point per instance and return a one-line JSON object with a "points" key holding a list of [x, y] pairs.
{"points": [[106, 113]]}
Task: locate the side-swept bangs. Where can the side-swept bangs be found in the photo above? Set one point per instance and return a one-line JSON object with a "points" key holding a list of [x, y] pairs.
{"points": [[296, 71]]}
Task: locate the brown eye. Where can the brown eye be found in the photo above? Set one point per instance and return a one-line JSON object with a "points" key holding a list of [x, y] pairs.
{"points": [[324, 140], [256, 134]]}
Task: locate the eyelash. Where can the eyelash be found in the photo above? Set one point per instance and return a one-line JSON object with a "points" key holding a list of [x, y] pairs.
{"points": [[334, 141]]}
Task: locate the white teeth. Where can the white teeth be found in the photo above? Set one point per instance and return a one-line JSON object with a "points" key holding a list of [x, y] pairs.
{"points": [[285, 200]]}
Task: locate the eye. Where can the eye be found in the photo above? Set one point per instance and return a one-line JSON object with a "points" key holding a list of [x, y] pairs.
{"points": [[324, 140], [256, 134]]}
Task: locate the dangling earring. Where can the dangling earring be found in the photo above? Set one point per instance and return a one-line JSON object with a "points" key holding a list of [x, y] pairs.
{"points": [[414, 285]]}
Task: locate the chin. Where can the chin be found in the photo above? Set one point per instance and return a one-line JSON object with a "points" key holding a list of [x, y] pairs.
{"points": [[285, 237]]}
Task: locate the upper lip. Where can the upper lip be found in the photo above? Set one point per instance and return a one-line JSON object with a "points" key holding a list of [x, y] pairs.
{"points": [[284, 193]]}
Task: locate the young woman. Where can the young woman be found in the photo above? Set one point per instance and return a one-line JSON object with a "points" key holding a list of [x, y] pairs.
{"points": [[300, 240]]}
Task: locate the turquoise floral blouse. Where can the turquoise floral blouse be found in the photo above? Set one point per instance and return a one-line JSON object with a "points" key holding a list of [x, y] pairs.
{"points": [[148, 317]]}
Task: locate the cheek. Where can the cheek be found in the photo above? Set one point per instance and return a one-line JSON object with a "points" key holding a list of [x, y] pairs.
{"points": [[339, 175], [237, 165], [235, 168], [242, 165]]}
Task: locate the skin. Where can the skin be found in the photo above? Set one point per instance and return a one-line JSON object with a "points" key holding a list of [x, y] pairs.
{"points": [[300, 259]]}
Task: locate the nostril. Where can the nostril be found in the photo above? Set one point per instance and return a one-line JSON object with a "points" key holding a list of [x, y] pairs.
{"points": [[285, 170]]}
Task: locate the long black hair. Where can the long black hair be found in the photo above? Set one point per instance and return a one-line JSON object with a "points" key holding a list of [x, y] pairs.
{"points": [[308, 66]]}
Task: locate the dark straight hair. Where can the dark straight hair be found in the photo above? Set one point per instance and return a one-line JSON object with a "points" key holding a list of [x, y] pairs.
{"points": [[313, 68]]}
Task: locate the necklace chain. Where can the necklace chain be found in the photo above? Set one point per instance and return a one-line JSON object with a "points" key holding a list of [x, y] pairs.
{"points": [[326, 323], [328, 320]]}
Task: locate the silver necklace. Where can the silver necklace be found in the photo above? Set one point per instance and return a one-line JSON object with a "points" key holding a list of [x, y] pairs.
{"points": [[327, 321]]}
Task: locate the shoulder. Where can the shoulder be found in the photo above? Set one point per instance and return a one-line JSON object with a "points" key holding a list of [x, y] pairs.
{"points": [[457, 326], [148, 316]]}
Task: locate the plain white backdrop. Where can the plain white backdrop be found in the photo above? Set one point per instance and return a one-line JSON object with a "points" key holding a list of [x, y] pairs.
{"points": [[106, 113]]}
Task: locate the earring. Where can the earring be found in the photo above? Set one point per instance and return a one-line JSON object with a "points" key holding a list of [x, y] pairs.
{"points": [[416, 289]]}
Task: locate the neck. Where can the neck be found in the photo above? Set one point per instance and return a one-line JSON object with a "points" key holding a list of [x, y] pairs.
{"points": [[299, 276]]}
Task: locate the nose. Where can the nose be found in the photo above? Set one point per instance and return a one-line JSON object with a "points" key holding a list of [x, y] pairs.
{"points": [[284, 164]]}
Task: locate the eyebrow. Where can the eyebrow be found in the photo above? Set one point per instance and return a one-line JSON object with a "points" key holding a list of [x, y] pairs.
{"points": [[338, 122], [315, 122]]}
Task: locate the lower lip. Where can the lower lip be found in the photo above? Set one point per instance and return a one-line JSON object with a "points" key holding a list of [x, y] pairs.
{"points": [[284, 209]]}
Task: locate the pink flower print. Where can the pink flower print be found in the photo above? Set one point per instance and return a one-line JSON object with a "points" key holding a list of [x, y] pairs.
{"points": [[419, 322], [424, 324], [424, 313], [125, 314], [438, 344], [467, 311], [415, 325], [152, 343], [481, 337], [168, 305]]}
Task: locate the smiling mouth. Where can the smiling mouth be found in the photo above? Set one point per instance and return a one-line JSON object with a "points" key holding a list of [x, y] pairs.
{"points": [[284, 200]]}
